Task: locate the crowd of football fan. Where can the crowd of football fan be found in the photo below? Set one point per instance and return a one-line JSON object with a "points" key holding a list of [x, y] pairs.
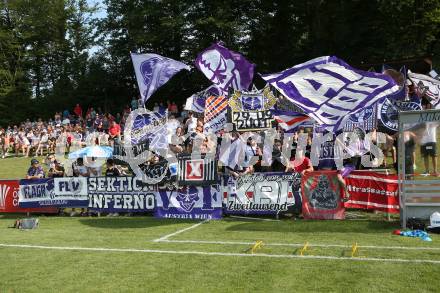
{"points": [[95, 127]]}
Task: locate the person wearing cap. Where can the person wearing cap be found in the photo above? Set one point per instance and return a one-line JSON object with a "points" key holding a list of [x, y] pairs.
{"points": [[35, 171]]}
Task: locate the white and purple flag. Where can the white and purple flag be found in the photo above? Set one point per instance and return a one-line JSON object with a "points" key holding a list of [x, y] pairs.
{"points": [[196, 103], [153, 71], [427, 86], [290, 121], [225, 68], [329, 90]]}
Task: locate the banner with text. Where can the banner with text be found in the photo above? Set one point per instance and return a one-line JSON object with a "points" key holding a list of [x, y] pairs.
{"points": [[371, 190], [251, 110], [120, 194], [262, 193], [189, 202], [72, 190], [35, 193], [9, 199]]}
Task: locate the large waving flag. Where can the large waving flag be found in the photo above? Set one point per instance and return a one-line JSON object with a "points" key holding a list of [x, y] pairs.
{"points": [[290, 121], [233, 154], [148, 126], [153, 71], [427, 86], [215, 114], [329, 90], [225, 68]]}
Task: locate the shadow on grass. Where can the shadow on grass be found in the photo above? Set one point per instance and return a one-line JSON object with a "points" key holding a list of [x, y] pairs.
{"points": [[306, 226], [130, 222]]}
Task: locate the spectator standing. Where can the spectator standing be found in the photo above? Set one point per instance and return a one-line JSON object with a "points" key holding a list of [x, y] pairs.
{"points": [[92, 113], [191, 123], [114, 132], [429, 142], [78, 110], [173, 108], [105, 124], [428, 147]]}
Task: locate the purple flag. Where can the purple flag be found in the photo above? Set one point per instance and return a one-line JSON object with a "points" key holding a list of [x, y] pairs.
{"points": [[225, 68], [329, 90], [153, 71]]}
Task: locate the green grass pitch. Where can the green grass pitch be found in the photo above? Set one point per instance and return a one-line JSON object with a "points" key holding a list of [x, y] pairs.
{"points": [[84, 254]]}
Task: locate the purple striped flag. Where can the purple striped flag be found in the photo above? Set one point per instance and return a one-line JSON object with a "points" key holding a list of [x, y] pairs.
{"points": [[329, 90]]}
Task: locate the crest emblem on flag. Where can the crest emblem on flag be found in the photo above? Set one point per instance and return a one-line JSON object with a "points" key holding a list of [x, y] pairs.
{"points": [[389, 112], [187, 197], [365, 119], [329, 90], [252, 101]]}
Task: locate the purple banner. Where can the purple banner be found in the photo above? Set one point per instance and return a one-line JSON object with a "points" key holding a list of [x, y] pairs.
{"points": [[189, 202]]}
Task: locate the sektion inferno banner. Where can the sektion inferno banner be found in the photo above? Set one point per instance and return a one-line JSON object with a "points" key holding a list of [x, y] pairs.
{"points": [[371, 190], [321, 196]]}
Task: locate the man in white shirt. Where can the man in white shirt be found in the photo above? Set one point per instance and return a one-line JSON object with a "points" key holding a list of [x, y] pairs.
{"points": [[191, 123], [429, 146], [429, 142]]}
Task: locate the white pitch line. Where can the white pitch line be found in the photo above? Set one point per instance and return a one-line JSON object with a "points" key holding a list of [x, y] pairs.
{"points": [[179, 231], [296, 244], [189, 252], [252, 218]]}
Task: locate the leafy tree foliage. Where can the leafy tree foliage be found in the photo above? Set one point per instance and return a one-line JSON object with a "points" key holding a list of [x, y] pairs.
{"points": [[46, 65]]}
